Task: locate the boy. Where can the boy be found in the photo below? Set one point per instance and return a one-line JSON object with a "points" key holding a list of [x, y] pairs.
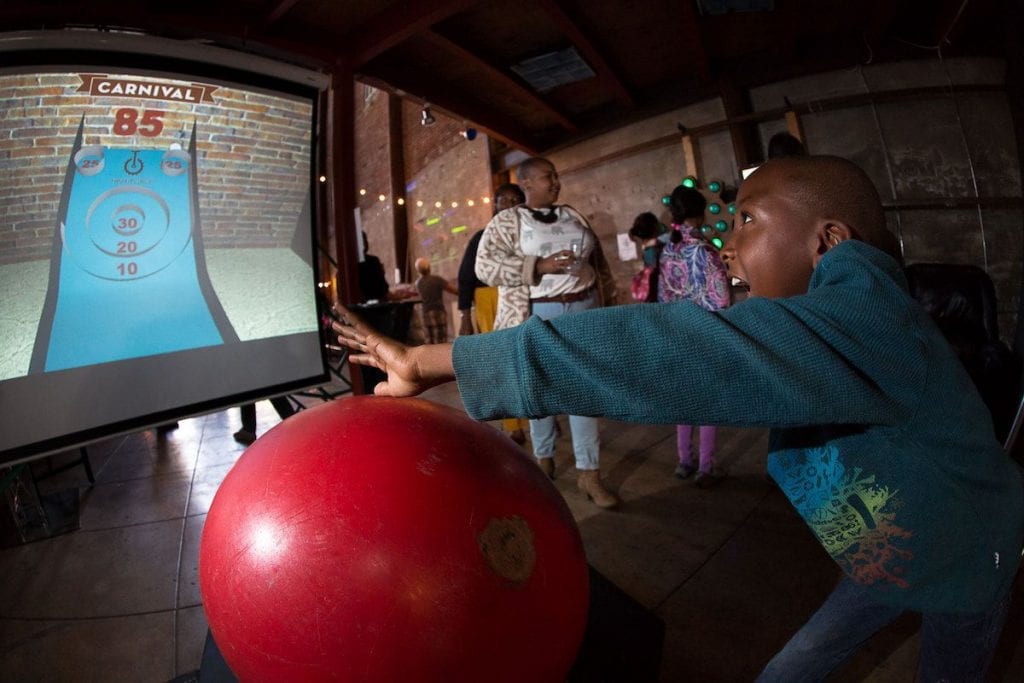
{"points": [[879, 439]]}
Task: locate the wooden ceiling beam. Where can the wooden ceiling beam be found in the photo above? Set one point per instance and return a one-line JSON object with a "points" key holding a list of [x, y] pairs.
{"points": [[503, 79], [393, 26], [692, 43], [588, 50], [282, 8]]}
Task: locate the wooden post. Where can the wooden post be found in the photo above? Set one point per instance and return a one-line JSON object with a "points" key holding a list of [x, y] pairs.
{"points": [[691, 155], [342, 189], [794, 126], [400, 220]]}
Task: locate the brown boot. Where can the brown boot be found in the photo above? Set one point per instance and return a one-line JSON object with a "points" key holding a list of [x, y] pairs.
{"points": [[589, 482]]}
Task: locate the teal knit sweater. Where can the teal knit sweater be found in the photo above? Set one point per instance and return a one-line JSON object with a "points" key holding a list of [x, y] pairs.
{"points": [[879, 438]]}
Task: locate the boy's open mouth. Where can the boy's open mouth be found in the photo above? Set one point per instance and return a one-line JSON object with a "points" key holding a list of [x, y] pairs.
{"points": [[739, 283]]}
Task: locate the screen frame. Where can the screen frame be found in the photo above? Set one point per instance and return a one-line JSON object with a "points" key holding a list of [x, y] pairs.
{"points": [[43, 51]]}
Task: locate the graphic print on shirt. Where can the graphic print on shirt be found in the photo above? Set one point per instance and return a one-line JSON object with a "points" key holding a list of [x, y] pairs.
{"points": [[853, 518]]}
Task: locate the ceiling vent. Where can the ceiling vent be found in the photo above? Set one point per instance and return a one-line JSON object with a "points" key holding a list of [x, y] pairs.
{"points": [[548, 71]]}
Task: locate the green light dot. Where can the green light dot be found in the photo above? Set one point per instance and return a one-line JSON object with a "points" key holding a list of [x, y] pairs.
{"points": [[717, 241], [721, 226], [715, 186], [666, 200], [689, 181], [732, 209], [715, 208], [705, 229]]}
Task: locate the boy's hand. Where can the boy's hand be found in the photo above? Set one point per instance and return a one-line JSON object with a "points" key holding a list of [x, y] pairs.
{"points": [[411, 370]]}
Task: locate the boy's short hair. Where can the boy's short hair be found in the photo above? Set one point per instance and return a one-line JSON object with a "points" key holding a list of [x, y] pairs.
{"points": [[422, 265], [833, 187]]}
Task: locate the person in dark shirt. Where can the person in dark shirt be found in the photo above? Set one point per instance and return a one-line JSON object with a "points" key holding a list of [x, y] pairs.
{"points": [[475, 296], [372, 284], [472, 290]]}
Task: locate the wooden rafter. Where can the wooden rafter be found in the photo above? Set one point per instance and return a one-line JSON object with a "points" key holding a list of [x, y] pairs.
{"points": [[384, 31], [690, 37], [505, 81], [282, 8]]}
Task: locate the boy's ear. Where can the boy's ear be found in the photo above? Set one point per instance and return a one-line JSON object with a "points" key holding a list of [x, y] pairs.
{"points": [[831, 233]]}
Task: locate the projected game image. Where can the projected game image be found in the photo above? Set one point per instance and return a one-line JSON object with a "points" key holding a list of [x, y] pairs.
{"points": [[152, 224]]}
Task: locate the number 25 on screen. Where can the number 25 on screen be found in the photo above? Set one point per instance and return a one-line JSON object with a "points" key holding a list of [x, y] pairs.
{"points": [[128, 121]]}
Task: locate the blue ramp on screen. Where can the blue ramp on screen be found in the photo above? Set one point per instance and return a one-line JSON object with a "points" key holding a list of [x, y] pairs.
{"points": [[129, 285]]}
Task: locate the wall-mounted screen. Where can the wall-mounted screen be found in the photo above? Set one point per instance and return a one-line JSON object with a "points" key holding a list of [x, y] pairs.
{"points": [[156, 238]]}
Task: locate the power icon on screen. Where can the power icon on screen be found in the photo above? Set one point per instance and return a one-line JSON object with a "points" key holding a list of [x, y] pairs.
{"points": [[134, 165]]}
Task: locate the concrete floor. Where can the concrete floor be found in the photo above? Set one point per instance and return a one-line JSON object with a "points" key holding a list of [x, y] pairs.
{"points": [[731, 570]]}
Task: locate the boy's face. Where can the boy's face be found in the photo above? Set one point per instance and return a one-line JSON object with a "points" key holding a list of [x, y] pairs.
{"points": [[541, 186], [774, 241]]}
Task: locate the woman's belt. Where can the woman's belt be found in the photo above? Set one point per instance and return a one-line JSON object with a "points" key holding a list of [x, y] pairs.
{"points": [[563, 298]]}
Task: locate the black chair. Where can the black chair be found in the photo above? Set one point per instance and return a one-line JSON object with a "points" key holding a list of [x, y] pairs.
{"points": [[962, 301]]}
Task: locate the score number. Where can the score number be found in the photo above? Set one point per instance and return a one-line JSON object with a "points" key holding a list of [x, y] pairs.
{"points": [[148, 123], [127, 249]]}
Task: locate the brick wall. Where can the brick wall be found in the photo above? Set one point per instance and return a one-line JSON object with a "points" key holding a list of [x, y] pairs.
{"points": [[443, 167], [373, 174], [440, 166], [252, 148], [935, 148]]}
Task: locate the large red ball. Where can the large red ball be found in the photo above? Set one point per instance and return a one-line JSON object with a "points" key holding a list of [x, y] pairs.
{"points": [[375, 539]]}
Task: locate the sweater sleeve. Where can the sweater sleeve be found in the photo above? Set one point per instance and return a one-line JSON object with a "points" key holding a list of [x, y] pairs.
{"points": [[499, 260], [821, 358]]}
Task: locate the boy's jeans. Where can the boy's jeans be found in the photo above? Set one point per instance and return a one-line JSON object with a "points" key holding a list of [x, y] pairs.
{"points": [[954, 647]]}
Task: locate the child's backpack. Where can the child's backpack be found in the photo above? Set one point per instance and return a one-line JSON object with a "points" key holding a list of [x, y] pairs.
{"points": [[675, 274], [686, 272], [645, 285]]}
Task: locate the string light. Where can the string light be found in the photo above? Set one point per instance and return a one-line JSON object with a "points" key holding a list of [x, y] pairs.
{"points": [[420, 203]]}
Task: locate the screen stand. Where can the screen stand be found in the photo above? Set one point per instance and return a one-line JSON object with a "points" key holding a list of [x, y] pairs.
{"points": [[35, 515]]}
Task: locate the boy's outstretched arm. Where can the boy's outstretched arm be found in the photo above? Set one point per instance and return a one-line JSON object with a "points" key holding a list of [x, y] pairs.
{"points": [[411, 370]]}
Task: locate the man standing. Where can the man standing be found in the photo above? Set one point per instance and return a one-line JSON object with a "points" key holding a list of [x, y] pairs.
{"points": [[545, 260]]}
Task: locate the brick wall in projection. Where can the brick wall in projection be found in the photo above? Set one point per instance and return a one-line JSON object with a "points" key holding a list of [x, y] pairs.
{"points": [[252, 153]]}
